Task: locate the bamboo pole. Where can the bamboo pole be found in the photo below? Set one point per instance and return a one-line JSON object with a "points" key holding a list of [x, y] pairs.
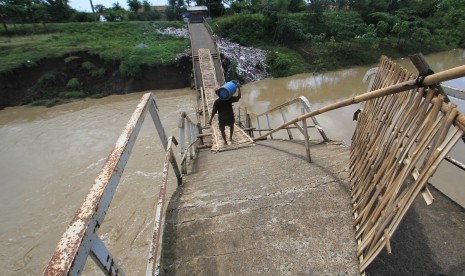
{"points": [[410, 196]]}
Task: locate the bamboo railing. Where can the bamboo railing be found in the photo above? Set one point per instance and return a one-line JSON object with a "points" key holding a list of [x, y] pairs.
{"points": [[398, 144]]}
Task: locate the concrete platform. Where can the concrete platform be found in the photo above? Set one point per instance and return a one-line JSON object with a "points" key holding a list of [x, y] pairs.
{"points": [[263, 210]]}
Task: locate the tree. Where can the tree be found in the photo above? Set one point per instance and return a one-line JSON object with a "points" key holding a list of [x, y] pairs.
{"points": [[134, 5], [176, 7], [4, 18], [288, 29], [451, 14], [115, 13], [116, 6], [317, 6], [59, 10], [14, 10], [41, 13], [146, 5], [240, 6], [403, 32], [100, 8], [215, 7], [296, 5], [344, 25]]}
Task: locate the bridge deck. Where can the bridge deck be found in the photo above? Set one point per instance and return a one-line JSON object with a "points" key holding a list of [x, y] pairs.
{"points": [[208, 74], [248, 212], [240, 138]]}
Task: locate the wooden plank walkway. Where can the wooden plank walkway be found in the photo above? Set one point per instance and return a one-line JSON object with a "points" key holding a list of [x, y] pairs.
{"points": [[208, 74]]}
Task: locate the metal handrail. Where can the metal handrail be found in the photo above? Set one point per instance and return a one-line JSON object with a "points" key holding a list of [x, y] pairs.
{"points": [[80, 239], [192, 129], [210, 30], [157, 228], [303, 129], [193, 56], [306, 106], [454, 91]]}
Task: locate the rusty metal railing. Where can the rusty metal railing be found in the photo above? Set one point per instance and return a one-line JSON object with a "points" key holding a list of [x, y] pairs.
{"points": [[192, 129], [153, 255], [80, 239], [303, 129]]}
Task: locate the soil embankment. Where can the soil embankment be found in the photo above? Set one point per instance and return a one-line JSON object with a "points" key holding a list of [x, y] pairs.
{"points": [[92, 76]]}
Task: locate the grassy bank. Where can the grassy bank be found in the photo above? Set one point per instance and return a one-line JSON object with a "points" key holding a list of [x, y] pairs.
{"points": [[109, 40]]}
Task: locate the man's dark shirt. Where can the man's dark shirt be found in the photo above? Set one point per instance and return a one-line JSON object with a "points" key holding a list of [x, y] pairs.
{"points": [[225, 110]]}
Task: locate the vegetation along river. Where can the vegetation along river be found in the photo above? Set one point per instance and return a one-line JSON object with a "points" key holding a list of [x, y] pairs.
{"points": [[49, 158]]}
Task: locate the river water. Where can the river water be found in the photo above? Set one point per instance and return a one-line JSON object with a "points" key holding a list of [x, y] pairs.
{"points": [[49, 158]]}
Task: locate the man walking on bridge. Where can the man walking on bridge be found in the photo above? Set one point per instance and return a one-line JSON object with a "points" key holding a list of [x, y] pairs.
{"points": [[225, 113]]}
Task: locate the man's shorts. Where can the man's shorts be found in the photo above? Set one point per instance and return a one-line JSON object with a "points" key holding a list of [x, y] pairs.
{"points": [[223, 123]]}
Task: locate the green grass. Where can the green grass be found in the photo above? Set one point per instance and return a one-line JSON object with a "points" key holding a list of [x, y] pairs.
{"points": [[109, 40]]}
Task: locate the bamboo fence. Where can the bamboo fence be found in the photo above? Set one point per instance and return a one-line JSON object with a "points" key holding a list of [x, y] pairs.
{"points": [[398, 144]]}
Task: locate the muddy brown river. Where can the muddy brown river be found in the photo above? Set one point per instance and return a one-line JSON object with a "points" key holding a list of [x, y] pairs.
{"points": [[49, 158]]}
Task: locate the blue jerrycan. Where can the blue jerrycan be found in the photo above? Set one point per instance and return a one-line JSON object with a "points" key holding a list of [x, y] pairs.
{"points": [[227, 90]]}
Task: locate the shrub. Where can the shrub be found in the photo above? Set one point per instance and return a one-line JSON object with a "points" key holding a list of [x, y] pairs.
{"points": [[89, 66], [72, 94], [99, 72], [279, 64], [53, 102], [98, 95], [47, 78], [82, 17], [130, 65], [39, 102], [234, 28], [93, 70], [289, 30], [73, 84]]}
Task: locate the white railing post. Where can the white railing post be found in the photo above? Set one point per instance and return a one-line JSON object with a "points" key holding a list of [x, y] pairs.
{"points": [[269, 125], [259, 128], [289, 133], [306, 137], [182, 135], [190, 139]]}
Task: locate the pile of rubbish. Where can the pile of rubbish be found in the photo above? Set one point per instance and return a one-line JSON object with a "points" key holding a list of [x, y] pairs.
{"points": [[251, 62], [183, 32]]}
